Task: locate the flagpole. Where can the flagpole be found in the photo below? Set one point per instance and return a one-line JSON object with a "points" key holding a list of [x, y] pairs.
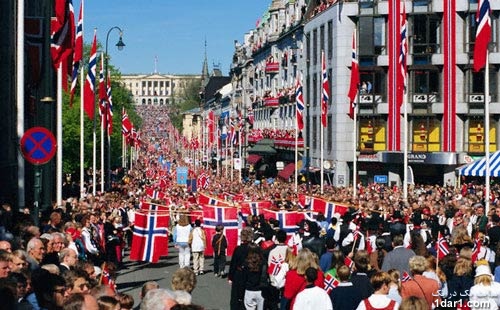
{"points": [[82, 119], [59, 135], [354, 151], [296, 179], [487, 131], [321, 164], [94, 149], [82, 136], [405, 146], [21, 188]]}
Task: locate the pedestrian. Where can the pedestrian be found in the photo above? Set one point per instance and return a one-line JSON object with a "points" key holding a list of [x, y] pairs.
{"points": [[380, 282], [198, 243], [312, 297], [181, 240], [219, 245], [485, 294], [254, 275], [399, 256], [419, 285], [235, 275], [345, 296]]}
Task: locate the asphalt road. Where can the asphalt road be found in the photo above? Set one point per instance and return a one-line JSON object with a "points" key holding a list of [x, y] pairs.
{"points": [[211, 292]]}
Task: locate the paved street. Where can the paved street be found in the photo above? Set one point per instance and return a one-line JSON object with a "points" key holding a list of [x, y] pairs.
{"points": [[210, 292]]}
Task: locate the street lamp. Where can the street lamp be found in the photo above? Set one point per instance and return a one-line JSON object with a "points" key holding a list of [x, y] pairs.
{"points": [[107, 154]]}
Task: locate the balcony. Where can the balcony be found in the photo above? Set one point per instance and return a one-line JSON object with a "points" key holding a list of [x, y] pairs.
{"points": [[271, 102]]}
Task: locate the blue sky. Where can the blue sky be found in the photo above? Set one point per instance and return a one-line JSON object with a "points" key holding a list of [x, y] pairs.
{"points": [[174, 31]]}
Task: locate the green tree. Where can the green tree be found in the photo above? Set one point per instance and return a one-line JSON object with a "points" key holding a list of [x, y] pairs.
{"points": [[189, 98], [122, 99]]}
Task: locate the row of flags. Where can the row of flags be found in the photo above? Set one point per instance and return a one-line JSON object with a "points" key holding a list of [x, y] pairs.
{"points": [[67, 52]]}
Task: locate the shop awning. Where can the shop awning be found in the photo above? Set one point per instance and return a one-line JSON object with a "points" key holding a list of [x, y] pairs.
{"points": [[478, 167], [252, 159], [287, 171], [262, 150]]}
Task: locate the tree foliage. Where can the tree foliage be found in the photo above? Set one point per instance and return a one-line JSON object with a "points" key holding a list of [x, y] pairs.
{"points": [[122, 99]]}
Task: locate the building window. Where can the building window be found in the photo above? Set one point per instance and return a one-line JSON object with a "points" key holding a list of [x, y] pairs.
{"points": [[372, 39], [315, 135], [425, 87], [371, 137], [373, 87], [155, 84], [329, 134], [330, 39], [149, 83], [426, 135], [308, 47], [425, 37], [143, 84], [167, 83], [315, 46], [476, 136], [322, 42]]}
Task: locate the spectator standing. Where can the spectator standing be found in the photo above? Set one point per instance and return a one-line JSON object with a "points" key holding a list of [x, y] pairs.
{"points": [[219, 244], [461, 281], [181, 240], [254, 275], [198, 244], [377, 256], [399, 257], [419, 285], [361, 275], [36, 251], [312, 297], [235, 275], [379, 299], [326, 259], [345, 296], [485, 290]]}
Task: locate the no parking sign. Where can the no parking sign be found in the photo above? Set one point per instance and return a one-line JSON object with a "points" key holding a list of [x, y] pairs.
{"points": [[38, 145]]}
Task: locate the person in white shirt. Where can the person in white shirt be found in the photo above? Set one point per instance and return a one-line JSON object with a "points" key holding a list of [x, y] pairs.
{"points": [[379, 299], [198, 244], [181, 239], [312, 297]]}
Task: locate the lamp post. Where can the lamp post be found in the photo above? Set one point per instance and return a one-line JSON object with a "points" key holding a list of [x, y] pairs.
{"points": [[107, 154]]}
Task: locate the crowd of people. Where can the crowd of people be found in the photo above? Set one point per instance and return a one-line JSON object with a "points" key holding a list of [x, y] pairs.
{"points": [[439, 248]]}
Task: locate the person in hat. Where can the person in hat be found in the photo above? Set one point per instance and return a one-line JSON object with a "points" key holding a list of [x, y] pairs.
{"points": [[485, 294]]}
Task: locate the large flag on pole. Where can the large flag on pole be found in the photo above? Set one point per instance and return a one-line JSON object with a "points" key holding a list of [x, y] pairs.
{"points": [[483, 34], [109, 113], [150, 239], [62, 37], [299, 99], [126, 124], [89, 87], [103, 100], [403, 53], [77, 54], [353, 86], [325, 89]]}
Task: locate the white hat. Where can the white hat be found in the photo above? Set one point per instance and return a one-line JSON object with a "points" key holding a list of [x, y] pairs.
{"points": [[482, 270], [97, 270]]}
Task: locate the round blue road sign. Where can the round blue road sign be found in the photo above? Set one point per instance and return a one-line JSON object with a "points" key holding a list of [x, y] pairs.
{"points": [[38, 145]]}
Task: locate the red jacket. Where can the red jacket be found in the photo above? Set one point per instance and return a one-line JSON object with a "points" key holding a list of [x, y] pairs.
{"points": [[295, 283]]}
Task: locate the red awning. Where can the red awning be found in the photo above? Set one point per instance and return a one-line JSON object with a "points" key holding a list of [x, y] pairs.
{"points": [[252, 159], [287, 172]]}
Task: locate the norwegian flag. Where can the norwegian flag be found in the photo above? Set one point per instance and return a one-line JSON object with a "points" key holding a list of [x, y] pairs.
{"points": [[405, 277], [215, 215], [62, 32], [150, 239], [106, 278], [288, 219], [483, 34], [275, 265], [442, 247], [476, 250], [89, 92], [348, 262], [353, 86], [327, 208], [126, 124], [207, 200], [299, 99], [77, 54], [203, 180], [329, 283], [325, 89], [103, 98], [110, 106], [403, 53], [154, 194], [254, 207]]}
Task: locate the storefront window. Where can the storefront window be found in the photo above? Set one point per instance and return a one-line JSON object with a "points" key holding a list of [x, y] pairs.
{"points": [[426, 135], [371, 135]]}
